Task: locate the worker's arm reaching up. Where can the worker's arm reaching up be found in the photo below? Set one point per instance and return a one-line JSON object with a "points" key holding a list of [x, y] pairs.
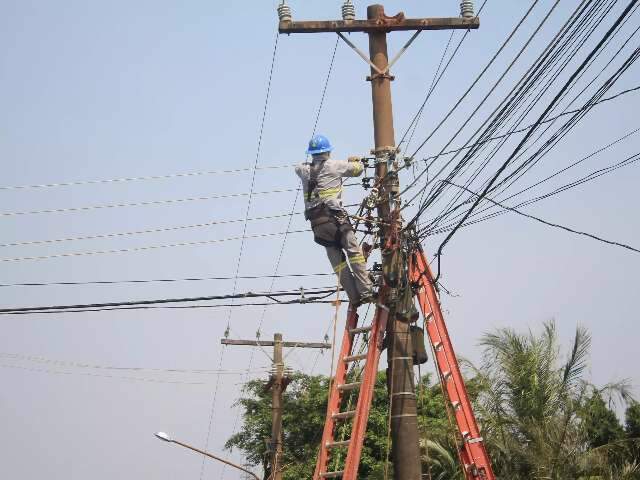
{"points": [[351, 168]]}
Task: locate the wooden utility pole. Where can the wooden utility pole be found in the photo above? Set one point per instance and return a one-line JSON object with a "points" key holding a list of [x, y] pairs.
{"points": [[277, 389], [277, 383], [404, 426]]}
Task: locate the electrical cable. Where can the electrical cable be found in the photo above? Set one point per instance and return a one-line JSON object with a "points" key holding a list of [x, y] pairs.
{"points": [[469, 154], [528, 127], [93, 366], [306, 301], [530, 132], [487, 66], [451, 208], [149, 230], [435, 82], [88, 374], [139, 178], [140, 232], [495, 85], [547, 58], [537, 156], [590, 177], [147, 203], [293, 207], [413, 125], [160, 280], [316, 291], [554, 225], [535, 66], [147, 247], [546, 179]]}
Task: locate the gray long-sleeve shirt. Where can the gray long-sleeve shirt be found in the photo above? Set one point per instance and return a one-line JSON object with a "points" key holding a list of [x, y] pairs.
{"points": [[328, 174]]}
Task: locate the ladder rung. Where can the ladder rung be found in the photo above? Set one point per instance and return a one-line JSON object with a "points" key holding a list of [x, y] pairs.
{"points": [[349, 386], [344, 443], [355, 358], [353, 331], [343, 415], [332, 474]]}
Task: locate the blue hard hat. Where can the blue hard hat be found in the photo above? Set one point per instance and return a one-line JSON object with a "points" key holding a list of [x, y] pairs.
{"points": [[319, 144]]}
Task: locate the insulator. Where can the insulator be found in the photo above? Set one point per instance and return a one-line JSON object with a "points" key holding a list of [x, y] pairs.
{"points": [[348, 11], [466, 9], [284, 12]]}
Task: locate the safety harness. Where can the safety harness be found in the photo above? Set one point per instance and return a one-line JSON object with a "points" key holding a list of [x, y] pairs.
{"points": [[328, 225]]}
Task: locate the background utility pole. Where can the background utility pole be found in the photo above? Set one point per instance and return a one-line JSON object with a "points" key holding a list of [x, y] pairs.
{"points": [[278, 383], [404, 425]]}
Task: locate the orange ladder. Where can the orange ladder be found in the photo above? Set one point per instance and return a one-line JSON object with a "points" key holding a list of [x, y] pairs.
{"points": [[472, 451], [365, 386]]}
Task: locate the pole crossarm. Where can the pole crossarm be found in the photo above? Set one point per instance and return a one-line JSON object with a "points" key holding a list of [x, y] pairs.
{"points": [[381, 25], [271, 343]]}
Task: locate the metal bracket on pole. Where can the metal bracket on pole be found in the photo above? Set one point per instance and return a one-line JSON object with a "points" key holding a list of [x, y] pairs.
{"points": [[402, 50], [361, 53], [380, 73]]}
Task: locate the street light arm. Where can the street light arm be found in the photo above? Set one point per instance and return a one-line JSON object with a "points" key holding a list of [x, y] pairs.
{"points": [[207, 454]]}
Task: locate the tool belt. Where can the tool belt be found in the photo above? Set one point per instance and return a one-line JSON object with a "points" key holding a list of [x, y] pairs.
{"points": [[328, 226]]}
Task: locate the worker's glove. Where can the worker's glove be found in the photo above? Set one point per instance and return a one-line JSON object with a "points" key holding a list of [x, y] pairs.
{"points": [[355, 159]]}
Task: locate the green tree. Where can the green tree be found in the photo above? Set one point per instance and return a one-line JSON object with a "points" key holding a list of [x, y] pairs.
{"points": [[601, 426], [540, 417], [632, 420], [632, 433], [305, 403]]}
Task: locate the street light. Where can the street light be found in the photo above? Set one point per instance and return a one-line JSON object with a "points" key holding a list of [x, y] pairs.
{"points": [[166, 438]]}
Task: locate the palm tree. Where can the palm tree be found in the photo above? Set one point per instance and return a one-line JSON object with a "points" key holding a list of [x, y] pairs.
{"points": [[531, 405]]}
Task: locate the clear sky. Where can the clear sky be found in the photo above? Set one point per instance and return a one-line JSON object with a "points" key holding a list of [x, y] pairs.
{"points": [[100, 90]]}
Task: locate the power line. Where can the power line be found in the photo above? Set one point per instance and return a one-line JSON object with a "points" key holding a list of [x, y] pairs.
{"points": [[151, 202], [436, 80], [244, 231], [528, 127], [141, 178], [546, 149], [146, 247], [151, 230], [289, 293], [530, 132], [495, 85], [590, 177], [545, 222], [140, 232], [307, 301], [538, 183], [486, 67], [161, 280], [293, 207], [522, 86], [564, 129], [76, 364], [568, 34], [88, 374], [413, 125]]}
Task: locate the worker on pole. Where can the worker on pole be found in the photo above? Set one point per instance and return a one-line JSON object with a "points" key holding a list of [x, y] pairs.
{"points": [[322, 187]]}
